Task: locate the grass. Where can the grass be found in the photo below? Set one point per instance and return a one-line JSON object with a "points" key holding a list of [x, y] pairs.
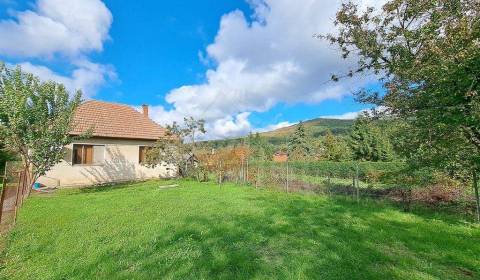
{"points": [[203, 231]]}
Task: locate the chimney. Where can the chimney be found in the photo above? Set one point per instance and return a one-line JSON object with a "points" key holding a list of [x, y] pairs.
{"points": [[145, 110]]}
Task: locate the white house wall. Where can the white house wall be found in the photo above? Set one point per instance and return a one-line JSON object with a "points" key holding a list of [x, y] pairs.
{"points": [[120, 164]]}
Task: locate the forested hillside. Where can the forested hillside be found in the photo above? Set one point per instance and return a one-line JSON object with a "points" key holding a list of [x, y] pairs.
{"points": [[316, 128]]}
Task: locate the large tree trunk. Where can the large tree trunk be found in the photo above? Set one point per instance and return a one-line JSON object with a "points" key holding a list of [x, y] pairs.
{"points": [[30, 178]]}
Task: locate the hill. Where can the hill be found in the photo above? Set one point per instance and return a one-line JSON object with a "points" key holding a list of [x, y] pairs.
{"points": [[317, 127]]}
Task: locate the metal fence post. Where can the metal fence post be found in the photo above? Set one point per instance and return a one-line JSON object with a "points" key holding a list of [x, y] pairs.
{"points": [[357, 184], [287, 176], [258, 176], [246, 173], [329, 183]]}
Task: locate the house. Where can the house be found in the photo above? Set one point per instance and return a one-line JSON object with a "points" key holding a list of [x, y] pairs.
{"points": [[114, 152], [280, 157]]}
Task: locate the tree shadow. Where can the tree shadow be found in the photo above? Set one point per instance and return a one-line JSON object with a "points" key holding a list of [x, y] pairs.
{"points": [[298, 238], [108, 187], [117, 169]]}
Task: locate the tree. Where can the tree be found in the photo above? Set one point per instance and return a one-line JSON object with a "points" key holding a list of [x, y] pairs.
{"points": [[259, 147], [35, 119], [368, 142], [4, 156], [427, 54], [190, 129], [299, 144], [174, 150], [334, 148]]}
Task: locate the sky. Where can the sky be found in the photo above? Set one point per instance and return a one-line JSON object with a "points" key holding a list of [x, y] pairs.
{"points": [[241, 65]]}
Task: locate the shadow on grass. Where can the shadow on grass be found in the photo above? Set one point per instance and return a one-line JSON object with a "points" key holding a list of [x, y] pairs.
{"points": [[302, 239], [122, 185], [109, 187]]}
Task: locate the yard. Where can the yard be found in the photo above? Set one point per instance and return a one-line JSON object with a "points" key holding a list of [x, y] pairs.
{"points": [[200, 231]]}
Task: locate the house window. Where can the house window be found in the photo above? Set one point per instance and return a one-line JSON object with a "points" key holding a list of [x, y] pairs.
{"points": [[142, 153], [88, 154]]}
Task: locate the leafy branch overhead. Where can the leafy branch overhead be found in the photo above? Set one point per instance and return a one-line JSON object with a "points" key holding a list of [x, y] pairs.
{"points": [[35, 119], [427, 54]]}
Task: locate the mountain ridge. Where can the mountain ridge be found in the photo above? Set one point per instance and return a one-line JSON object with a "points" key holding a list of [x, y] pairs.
{"points": [[316, 127]]}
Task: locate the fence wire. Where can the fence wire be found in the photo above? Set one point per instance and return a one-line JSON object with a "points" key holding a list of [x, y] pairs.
{"points": [[350, 179]]}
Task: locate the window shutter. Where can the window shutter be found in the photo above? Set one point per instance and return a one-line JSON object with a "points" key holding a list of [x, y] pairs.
{"points": [[88, 149], [141, 154], [77, 154]]}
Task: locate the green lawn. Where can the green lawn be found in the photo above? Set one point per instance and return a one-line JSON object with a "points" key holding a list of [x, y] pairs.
{"points": [[202, 231]]}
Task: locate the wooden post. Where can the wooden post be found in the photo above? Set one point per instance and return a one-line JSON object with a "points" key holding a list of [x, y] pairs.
{"points": [[16, 196], [2, 198], [477, 199]]}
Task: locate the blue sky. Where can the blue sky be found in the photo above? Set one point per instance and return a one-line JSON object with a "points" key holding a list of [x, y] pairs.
{"points": [[241, 65]]}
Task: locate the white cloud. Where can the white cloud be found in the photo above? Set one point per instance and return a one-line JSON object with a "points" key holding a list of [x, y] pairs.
{"points": [[275, 126], [344, 116], [56, 27], [375, 111], [267, 59], [229, 126], [88, 76], [60, 32], [165, 117]]}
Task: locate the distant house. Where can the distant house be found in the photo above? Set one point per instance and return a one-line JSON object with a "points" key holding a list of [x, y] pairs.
{"points": [[115, 151], [280, 157]]}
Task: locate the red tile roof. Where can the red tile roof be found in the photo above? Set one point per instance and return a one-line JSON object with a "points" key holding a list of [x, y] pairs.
{"points": [[115, 121]]}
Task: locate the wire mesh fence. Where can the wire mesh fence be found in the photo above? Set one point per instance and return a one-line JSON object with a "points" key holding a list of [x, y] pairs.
{"points": [[292, 178], [15, 189], [357, 180]]}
